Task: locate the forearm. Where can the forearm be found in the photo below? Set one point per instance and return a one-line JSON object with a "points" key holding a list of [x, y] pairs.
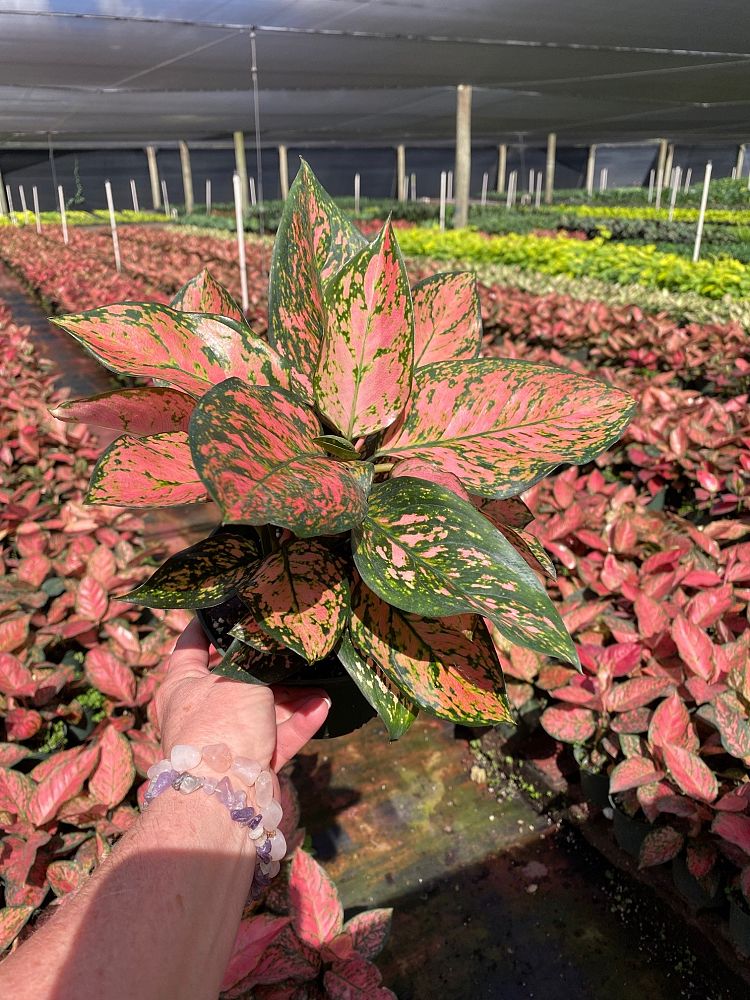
{"points": [[156, 921]]}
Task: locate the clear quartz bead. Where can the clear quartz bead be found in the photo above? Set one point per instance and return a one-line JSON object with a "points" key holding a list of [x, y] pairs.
{"points": [[184, 757], [272, 814], [271, 868], [257, 833], [246, 769], [278, 846], [264, 789], [218, 757], [159, 768], [209, 785], [189, 783]]}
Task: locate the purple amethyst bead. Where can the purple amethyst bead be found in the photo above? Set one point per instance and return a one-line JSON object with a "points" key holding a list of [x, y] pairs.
{"points": [[255, 823], [160, 784], [242, 815], [224, 793]]}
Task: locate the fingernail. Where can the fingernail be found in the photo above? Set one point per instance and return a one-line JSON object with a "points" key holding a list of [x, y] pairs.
{"points": [[314, 701]]}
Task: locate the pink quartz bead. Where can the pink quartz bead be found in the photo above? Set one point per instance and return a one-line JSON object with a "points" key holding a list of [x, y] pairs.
{"points": [[264, 789], [247, 770], [278, 846], [159, 768], [270, 868], [185, 756], [218, 757], [272, 815]]}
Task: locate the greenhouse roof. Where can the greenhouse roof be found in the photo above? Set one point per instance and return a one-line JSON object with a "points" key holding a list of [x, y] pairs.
{"points": [[383, 71]]}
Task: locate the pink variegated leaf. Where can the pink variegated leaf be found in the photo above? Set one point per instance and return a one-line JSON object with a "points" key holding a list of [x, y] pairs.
{"points": [[447, 318], [415, 468], [317, 914], [34, 569], [285, 958], [254, 449], [15, 677], [12, 921], [369, 931], [300, 597], [734, 828], [65, 877], [154, 471], [204, 294], [22, 723], [363, 377], [510, 422], [13, 633], [16, 790], [141, 411], [444, 671], [509, 513], [254, 935], [690, 773], [91, 599], [694, 647], [396, 709], [111, 781], [635, 721], [568, 723], [670, 725], [659, 846], [189, 351], [701, 857], [355, 979], [313, 240], [652, 618], [632, 773], [636, 693], [734, 729], [11, 753], [61, 784], [530, 548], [708, 606], [109, 675]]}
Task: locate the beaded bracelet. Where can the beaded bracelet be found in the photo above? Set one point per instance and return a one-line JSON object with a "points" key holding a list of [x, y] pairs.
{"points": [[262, 822]]}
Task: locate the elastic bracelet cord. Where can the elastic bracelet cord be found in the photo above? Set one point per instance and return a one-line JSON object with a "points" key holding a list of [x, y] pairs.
{"points": [[261, 821]]}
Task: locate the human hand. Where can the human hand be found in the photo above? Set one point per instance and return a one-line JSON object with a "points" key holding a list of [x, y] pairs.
{"points": [[194, 706]]}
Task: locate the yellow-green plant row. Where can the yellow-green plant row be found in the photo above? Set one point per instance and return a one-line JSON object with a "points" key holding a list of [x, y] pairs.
{"points": [[76, 218], [736, 217], [612, 262]]}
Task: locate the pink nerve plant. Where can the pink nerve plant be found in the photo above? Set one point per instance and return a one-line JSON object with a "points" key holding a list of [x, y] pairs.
{"points": [[368, 465]]}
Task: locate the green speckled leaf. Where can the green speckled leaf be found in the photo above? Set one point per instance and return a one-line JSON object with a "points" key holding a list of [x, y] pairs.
{"points": [[395, 708], [300, 597], [510, 513], [447, 318], [363, 377], [428, 552], [337, 446], [255, 451], [243, 663], [204, 294], [249, 632], [447, 673], [313, 240], [154, 471], [531, 549], [140, 411], [189, 351], [499, 426], [201, 576]]}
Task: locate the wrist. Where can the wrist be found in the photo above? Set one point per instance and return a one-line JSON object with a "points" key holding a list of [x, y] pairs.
{"points": [[195, 821]]}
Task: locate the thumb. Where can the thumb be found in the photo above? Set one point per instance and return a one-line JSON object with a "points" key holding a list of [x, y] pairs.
{"points": [[190, 655]]}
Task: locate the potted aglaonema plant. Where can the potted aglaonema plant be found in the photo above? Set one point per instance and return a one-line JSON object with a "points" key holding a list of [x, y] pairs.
{"points": [[366, 462]]}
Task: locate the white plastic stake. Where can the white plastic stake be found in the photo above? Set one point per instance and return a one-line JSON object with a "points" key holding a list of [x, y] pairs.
{"points": [[531, 181], [650, 187], [688, 178], [602, 179], [539, 189], [165, 199], [11, 210], [356, 193], [443, 195], [659, 187], [702, 213], [253, 198], [240, 239], [676, 179], [35, 196], [208, 197], [134, 195], [413, 185], [485, 182], [449, 194], [734, 173], [113, 226], [514, 185], [22, 195], [63, 217]]}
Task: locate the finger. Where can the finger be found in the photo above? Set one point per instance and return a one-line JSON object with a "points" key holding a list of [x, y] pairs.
{"points": [[293, 733], [190, 656], [288, 700]]}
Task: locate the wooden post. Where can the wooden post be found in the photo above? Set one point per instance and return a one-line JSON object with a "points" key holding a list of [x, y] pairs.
{"points": [[702, 213], [740, 160], [153, 176], [463, 154], [63, 217], [676, 180], [134, 195], [357, 181], [401, 172], [208, 197], [241, 167], [283, 173], [165, 198], [238, 218], [590, 167], [443, 194], [549, 180], [187, 178], [113, 226], [502, 165], [3, 199], [35, 197]]}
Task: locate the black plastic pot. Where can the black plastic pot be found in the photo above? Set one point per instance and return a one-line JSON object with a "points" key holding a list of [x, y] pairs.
{"points": [[692, 891], [595, 787], [349, 708], [629, 833], [739, 927]]}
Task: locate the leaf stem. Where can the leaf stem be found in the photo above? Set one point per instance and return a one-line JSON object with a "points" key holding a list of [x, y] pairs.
{"points": [[267, 537], [384, 467]]}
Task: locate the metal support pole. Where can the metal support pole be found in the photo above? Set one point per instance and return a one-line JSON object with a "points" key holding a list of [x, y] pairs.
{"points": [[463, 154], [549, 179], [53, 168], [241, 167], [208, 197], [401, 172], [238, 217], [134, 195], [165, 198], [590, 167], [283, 173], [187, 178], [153, 176], [357, 181], [502, 166], [443, 193]]}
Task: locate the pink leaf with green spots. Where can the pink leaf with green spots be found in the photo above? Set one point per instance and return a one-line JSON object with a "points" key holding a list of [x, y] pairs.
{"points": [[395, 708], [154, 471], [532, 550], [141, 411], [659, 846], [255, 451], [369, 931], [12, 921], [632, 773], [636, 693], [415, 468], [690, 773], [500, 425], [204, 294], [447, 673], [734, 828], [254, 935], [317, 914], [447, 318], [734, 729], [568, 723], [189, 351], [115, 772], [363, 377], [313, 240], [300, 597], [428, 552], [510, 513]]}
